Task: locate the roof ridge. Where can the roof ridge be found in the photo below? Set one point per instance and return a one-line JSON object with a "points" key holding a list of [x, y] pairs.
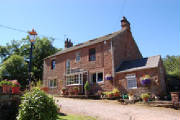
{"points": [[89, 42]]}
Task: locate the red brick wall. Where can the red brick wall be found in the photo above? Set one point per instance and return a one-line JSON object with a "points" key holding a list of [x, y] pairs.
{"points": [[156, 87], [103, 64], [125, 48]]}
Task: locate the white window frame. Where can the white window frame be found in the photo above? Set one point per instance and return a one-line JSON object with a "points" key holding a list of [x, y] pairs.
{"points": [[53, 85], [97, 77], [80, 80], [131, 77], [68, 67], [78, 56]]}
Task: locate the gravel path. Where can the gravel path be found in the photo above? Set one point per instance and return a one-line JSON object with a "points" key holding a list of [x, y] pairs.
{"points": [[110, 110]]}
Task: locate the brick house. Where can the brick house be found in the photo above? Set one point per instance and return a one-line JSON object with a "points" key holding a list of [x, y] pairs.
{"points": [[107, 62]]}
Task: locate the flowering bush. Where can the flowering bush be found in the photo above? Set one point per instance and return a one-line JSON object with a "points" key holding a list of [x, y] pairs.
{"points": [[36, 105], [145, 96]]}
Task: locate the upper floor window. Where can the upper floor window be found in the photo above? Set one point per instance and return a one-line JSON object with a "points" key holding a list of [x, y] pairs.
{"points": [[53, 83], [67, 66], [131, 81], [92, 54], [53, 64], [78, 57]]}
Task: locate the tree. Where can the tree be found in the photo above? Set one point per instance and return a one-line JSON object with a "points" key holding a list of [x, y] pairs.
{"points": [[43, 47], [14, 68], [172, 65]]}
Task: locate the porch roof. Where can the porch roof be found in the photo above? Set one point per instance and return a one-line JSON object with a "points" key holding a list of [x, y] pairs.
{"points": [[139, 64]]}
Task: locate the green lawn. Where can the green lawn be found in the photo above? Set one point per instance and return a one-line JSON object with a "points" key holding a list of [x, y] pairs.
{"points": [[75, 117]]}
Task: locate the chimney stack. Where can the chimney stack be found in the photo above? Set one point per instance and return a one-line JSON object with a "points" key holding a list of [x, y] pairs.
{"points": [[68, 43], [125, 23]]}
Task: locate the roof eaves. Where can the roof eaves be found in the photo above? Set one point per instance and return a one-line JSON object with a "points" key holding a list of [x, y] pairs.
{"points": [[88, 43], [137, 69]]}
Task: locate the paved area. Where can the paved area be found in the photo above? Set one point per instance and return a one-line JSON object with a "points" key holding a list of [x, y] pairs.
{"points": [[110, 110]]}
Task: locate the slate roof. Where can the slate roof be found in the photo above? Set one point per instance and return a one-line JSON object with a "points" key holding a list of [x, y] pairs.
{"points": [[88, 43], [138, 64]]}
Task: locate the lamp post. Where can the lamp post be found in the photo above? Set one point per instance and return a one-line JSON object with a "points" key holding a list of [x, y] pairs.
{"points": [[32, 38]]}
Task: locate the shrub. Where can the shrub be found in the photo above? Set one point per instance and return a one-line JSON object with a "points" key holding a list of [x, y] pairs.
{"points": [[87, 86], [36, 105]]}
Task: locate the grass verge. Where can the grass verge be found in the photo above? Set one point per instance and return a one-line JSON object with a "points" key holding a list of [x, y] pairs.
{"points": [[74, 117]]}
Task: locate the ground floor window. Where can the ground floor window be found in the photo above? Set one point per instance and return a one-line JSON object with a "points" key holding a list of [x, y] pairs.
{"points": [[75, 79], [52, 83], [97, 77], [131, 81]]}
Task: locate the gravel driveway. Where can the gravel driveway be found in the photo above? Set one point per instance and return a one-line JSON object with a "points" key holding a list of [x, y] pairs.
{"points": [[110, 110]]}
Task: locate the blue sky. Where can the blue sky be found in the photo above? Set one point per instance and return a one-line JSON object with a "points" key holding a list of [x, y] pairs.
{"points": [[155, 24]]}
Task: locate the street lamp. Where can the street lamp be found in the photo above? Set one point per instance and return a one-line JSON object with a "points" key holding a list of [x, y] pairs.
{"points": [[32, 38]]}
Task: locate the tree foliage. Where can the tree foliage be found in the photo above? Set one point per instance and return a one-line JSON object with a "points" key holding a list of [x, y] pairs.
{"points": [[42, 48], [172, 65], [14, 68]]}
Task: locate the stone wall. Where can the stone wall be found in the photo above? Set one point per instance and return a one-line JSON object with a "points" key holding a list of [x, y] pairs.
{"points": [[9, 105]]}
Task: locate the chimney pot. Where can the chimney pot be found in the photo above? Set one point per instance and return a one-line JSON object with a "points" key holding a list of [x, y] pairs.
{"points": [[125, 23]]}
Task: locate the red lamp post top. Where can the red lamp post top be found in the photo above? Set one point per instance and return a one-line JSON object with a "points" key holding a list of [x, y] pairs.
{"points": [[33, 32], [32, 36]]}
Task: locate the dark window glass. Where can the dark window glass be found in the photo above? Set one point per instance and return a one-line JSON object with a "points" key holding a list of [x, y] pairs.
{"points": [[53, 64], [92, 54], [67, 66], [94, 78], [100, 77]]}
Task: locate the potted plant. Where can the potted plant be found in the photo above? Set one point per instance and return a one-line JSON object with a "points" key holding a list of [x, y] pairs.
{"points": [[76, 90], [87, 88], [15, 88], [71, 91], [131, 96], [45, 89], [6, 85], [115, 92], [63, 91], [145, 97], [3, 85], [110, 94]]}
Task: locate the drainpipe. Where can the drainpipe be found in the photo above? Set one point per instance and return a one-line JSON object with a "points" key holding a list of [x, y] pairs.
{"points": [[113, 71]]}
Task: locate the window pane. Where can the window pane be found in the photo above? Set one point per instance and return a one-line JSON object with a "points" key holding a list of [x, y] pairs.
{"points": [[67, 66], [131, 81], [53, 63], [51, 83], [78, 57], [100, 77], [55, 83], [94, 78], [92, 54]]}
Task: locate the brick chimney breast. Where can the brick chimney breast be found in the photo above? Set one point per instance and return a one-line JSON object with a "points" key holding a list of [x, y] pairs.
{"points": [[125, 23]]}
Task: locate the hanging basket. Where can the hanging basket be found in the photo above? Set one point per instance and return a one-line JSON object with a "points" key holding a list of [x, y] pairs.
{"points": [[146, 80], [108, 77]]}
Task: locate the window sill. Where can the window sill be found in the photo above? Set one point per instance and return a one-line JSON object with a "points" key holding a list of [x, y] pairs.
{"points": [[133, 88], [52, 87], [101, 82], [74, 85]]}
